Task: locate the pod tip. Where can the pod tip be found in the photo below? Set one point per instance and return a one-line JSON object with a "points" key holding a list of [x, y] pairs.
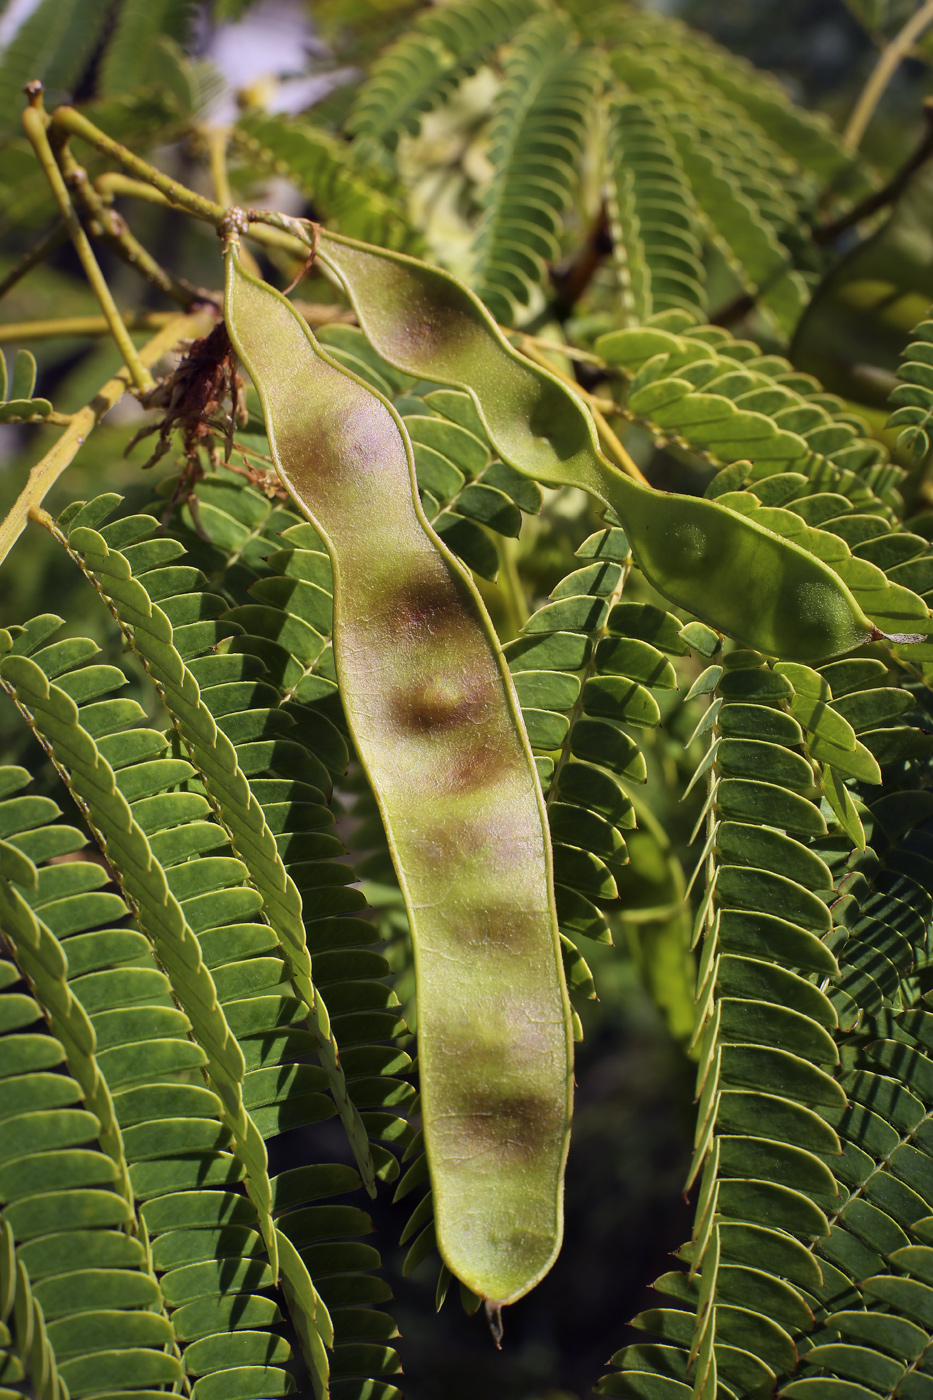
{"points": [[494, 1318]]}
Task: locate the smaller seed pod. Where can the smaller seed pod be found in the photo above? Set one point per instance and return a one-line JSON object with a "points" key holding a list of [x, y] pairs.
{"points": [[436, 724], [734, 574]]}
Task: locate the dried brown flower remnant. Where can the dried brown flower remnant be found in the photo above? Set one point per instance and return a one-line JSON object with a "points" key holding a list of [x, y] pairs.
{"points": [[203, 399], [193, 397]]}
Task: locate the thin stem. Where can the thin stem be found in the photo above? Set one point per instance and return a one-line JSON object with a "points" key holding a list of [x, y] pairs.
{"points": [[112, 183], [888, 63], [828, 233], [110, 228], [35, 122], [513, 591], [17, 331], [614, 448], [46, 472], [217, 140], [585, 357], [67, 119], [48, 244], [277, 230]]}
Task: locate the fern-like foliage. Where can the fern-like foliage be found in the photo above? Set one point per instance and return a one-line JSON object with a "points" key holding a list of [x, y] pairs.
{"points": [[815, 933], [749, 205], [586, 667], [685, 60], [139, 26], [655, 223], [535, 146], [913, 399], [754, 162], [227, 967], [414, 75], [208, 1006], [54, 44], [346, 192], [789, 1233], [727, 401]]}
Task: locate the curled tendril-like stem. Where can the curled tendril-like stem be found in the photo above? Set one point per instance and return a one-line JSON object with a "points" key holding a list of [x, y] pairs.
{"points": [[309, 260]]}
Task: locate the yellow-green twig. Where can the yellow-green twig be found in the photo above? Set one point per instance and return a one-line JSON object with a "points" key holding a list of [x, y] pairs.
{"points": [[607, 437], [35, 122], [16, 332], [109, 227], [114, 184], [66, 119], [613, 447], [218, 138], [888, 63], [46, 472], [555, 347], [111, 184]]}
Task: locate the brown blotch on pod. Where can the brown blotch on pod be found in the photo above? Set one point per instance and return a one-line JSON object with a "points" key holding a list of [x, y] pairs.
{"points": [[513, 1125], [433, 604], [439, 703], [502, 928]]}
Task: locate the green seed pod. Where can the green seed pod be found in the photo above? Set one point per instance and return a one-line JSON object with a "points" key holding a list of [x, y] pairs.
{"points": [[436, 725], [735, 574]]}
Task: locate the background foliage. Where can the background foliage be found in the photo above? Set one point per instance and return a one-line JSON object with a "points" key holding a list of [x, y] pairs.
{"points": [[739, 285]]}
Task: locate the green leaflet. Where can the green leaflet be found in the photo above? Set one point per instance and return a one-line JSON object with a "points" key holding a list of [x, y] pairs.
{"points": [[146, 884], [64, 1168], [288, 786], [813, 481], [807, 432], [878, 1188], [128, 61], [675, 57], [757, 1140], [744, 201], [259, 672], [719, 112], [16, 390], [53, 43]]}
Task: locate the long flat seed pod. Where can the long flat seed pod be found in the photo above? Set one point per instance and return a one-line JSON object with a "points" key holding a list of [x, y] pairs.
{"points": [[694, 551], [436, 724]]}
